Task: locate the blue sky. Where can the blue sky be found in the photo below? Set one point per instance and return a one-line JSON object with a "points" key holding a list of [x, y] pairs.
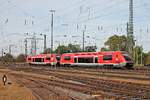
{"points": [[103, 18]]}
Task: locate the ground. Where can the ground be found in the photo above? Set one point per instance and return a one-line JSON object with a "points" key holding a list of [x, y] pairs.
{"points": [[35, 83], [14, 91]]}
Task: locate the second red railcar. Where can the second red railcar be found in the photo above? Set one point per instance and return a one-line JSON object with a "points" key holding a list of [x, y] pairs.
{"points": [[44, 59], [105, 59]]}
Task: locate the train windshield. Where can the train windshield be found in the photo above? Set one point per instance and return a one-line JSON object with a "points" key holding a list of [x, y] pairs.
{"points": [[127, 58]]}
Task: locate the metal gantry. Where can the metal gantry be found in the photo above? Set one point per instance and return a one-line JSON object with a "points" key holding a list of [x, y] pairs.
{"points": [[130, 29]]}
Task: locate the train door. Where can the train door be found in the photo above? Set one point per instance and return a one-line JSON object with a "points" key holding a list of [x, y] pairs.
{"points": [[58, 58], [75, 60], [96, 59]]}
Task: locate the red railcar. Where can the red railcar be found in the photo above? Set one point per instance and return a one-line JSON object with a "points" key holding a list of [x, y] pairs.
{"points": [[44, 59], [117, 59], [106, 59]]}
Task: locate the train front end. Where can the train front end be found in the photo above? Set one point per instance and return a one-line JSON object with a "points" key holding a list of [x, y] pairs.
{"points": [[127, 61]]}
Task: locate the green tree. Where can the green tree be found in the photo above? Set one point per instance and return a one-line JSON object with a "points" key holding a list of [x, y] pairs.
{"points": [[48, 50], [7, 58], [21, 58], [116, 43], [90, 48], [147, 61], [68, 49], [62, 49], [74, 48], [104, 49]]}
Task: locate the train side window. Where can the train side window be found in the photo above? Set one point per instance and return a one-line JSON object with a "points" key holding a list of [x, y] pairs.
{"points": [[29, 58], [107, 57], [42, 60], [39, 59], [85, 60], [67, 58], [48, 58], [96, 59]]}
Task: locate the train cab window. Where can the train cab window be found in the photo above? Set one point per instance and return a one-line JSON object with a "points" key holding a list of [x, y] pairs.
{"points": [[107, 57], [48, 58], [29, 58], [127, 58], [67, 58], [96, 59]]}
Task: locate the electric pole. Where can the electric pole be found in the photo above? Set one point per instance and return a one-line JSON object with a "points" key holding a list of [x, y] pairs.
{"points": [[44, 41], [33, 45], [83, 39], [127, 28], [52, 26], [2, 52], [26, 47], [130, 33], [10, 47]]}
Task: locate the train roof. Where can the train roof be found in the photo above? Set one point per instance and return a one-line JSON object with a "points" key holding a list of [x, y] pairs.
{"points": [[112, 52], [87, 53], [41, 55]]}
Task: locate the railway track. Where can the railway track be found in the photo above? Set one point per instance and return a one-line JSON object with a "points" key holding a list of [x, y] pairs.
{"points": [[121, 90], [42, 91], [140, 71], [34, 83], [99, 72], [87, 81], [133, 89]]}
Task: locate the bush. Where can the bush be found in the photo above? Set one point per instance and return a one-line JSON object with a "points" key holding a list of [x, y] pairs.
{"points": [[21, 58], [7, 58]]}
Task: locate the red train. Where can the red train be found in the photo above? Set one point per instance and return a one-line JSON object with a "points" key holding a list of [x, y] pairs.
{"points": [[44, 59], [105, 59], [116, 59]]}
